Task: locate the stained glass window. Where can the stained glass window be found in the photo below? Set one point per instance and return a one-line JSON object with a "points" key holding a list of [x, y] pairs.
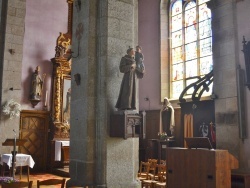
{"points": [[191, 43]]}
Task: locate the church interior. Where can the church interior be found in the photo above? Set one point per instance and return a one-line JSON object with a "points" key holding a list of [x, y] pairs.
{"points": [[127, 93]]}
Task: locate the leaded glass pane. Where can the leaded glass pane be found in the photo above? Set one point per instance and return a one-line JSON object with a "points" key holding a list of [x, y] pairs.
{"points": [[191, 51], [176, 39], [190, 5], [177, 71], [177, 7], [191, 68], [206, 47], [177, 88], [189, 62], [177, 55], [205, 29], [205, 21], [206, 65], [189, 82], [202, 1], [204, 12], [176, 23], [190, 24]]}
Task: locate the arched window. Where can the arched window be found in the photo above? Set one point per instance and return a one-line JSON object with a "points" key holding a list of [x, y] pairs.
{"points": [[190, 44]]}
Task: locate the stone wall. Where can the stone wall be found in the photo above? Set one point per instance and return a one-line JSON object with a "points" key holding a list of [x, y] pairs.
{"points": [[11, 66]]}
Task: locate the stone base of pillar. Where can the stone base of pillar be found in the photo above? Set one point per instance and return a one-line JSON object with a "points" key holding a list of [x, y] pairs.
{"points": [[135, 184], [75, 183]]}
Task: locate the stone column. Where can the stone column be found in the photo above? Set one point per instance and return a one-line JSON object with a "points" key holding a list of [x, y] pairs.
{"points": [[225, 81], [105, 29]]}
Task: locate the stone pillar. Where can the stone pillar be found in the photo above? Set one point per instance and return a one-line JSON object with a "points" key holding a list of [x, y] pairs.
{"points": [[11, 54], [105, 29], [225, 82]]}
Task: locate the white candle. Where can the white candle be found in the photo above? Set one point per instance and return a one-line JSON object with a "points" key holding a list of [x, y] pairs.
{"points": [[46, 98]]}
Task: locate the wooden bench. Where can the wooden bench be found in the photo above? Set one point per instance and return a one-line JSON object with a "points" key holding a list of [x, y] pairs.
{"points": [[240, 179]]}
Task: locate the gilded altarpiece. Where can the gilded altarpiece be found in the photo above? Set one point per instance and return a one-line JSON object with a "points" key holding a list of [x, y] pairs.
{"points": [[62, 81]]}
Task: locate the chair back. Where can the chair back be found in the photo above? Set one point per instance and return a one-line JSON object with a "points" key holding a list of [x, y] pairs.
{"points": [[17, 184], [153, 164], [163, 162], [51, 182], [144, 169], [161, 172]]}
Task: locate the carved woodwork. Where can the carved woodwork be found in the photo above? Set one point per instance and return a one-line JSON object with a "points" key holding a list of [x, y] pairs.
{"points": [[201, 85], [62, 69], [61, 73], [34, 129], [127, 125], [246, 50]]}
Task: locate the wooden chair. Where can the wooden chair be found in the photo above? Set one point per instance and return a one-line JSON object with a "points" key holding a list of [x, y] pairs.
{"points": [[163, 161], [152, 168], [160, 185], [152, 176], [51, 182], [148, 183], [17, 184], [143, 171], [161, 172], [161, 176]]}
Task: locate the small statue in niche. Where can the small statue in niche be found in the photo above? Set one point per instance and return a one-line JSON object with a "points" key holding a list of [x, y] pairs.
{"points": [[60, 51], [127, 96], [66, 113], [203, 129], [167, 106], [36, 85]]}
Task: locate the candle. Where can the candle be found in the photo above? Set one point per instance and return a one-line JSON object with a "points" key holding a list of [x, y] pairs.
{"points": [[46, 98]]}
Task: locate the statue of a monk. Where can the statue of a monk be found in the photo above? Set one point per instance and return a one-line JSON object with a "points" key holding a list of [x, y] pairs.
{"points": [[127, 95]]}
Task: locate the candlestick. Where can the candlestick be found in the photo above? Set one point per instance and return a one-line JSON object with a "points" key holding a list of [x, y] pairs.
{"points": [[14, 157], [46, 98]]}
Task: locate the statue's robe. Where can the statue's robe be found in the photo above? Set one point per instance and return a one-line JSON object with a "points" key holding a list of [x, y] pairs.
{"points": [[127, 95]]}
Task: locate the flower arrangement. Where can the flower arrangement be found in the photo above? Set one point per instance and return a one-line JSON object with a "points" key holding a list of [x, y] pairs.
{"points": [[12, 109], [163, 135], [7, 180]]}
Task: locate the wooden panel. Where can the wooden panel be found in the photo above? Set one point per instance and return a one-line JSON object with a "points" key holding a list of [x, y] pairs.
{"points": [[152, 124], [176, 176], [178, 134], [203, 114], [150, 146], [34, 128], [199, 168]]}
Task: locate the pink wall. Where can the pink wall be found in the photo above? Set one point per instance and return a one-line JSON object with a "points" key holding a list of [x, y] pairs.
{"points": [[43, 22], [149, 39]]}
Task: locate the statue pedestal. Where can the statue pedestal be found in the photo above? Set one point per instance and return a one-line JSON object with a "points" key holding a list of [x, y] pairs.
{"points": [[126, 124]]}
